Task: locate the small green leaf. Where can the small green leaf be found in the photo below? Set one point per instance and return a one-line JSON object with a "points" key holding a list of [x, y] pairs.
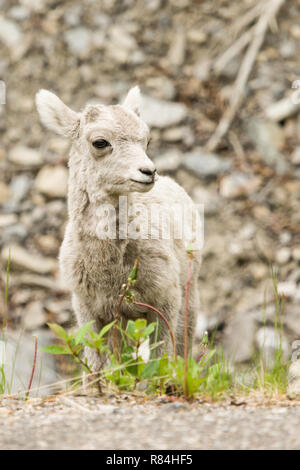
{"points": [[130, 328], [150, 328], [134, 272], [53, 349], [140, 324], [150, 369], [59, 331], [83, 331], [106, 328]]}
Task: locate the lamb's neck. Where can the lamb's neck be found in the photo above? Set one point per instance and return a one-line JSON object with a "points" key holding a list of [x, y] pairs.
{"points": [[100, 218]]}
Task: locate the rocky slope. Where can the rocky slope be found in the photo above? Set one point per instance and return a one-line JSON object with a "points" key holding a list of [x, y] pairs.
{"points": [[94, 51]]}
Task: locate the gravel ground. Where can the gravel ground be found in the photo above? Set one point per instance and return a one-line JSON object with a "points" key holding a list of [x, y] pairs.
{"points": [[91, 423]]}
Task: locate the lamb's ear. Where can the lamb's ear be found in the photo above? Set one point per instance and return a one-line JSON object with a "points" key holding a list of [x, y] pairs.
{"points": [[55, 115], [133, 100]]}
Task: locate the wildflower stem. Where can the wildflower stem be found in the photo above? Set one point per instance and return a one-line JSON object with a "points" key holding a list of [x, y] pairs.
{"points": [[33, 367], [186, 324], [141, 304]]}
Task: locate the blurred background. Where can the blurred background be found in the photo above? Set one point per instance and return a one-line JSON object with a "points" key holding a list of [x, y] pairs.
{"points": [[186, 56]]}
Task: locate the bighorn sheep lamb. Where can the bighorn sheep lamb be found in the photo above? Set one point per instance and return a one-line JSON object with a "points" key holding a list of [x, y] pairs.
{"points": [[108, 161]]}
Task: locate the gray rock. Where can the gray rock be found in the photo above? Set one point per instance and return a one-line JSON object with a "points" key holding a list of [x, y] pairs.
{"points": [[176, 406], [122, 47], [78, 41], [21, 258], [25, 157], [248, 231], [34, 316], [161, 88], [5, 194], [287, 49], [180, 133], [180, 3], [52, 181], [35, 5], [7, 219], [289, 289], [177, 49], [238, 184], [15, 233], [296, 156], [209, 198], [18, 13], [296, 253], [72, 15], [168, 161], [282, 109], [10, 33], [19, 187], [205, 164], [239, 337], [292, 318], [161, 114], [265, 136], [269, 340], [283, 255]]}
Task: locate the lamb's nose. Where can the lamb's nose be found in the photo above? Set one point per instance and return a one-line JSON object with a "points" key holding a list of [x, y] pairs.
{"points": [[147, 171]]}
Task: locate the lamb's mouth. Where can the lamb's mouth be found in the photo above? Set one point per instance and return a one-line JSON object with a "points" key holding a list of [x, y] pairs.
{"points": [[143, 182]]}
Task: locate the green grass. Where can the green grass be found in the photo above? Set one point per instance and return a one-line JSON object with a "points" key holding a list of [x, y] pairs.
{"points": [[210, 376]]}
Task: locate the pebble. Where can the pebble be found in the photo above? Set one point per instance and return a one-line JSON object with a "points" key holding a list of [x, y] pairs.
{"points": [[161, 114], [19, 187], [205, 164], [14, 233], [176, 54], [268, 138], [282, 109], [209, 198], [177, 134], [293, 390], [7, 219], [21, 258], [52, 181], [161, 88], [296, 253], [168, 161], [79, 41], [10, 33], [287, 288], [5, 193], [296, 156], [25, 157], [34, 316], [238, 184], [269, 340], [283, 255]]}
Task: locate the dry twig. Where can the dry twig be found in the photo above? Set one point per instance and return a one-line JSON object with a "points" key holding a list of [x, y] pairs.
{"points": [[269, 12]]}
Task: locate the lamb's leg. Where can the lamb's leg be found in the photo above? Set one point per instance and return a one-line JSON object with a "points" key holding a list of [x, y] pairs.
{"points": [[94, 360], [162, 335]]}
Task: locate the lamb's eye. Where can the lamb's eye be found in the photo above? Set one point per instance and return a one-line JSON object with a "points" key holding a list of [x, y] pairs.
{"points": [[101, 144]]}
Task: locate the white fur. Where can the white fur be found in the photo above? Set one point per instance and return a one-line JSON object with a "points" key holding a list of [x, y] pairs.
{"points": [[54, 114], [133, 100]]}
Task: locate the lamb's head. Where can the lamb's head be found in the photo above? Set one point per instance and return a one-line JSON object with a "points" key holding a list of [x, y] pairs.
{"points": [[108, 143]]}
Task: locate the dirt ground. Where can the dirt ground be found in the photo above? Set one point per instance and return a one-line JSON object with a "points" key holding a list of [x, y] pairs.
{"points": [[91, 423]]}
